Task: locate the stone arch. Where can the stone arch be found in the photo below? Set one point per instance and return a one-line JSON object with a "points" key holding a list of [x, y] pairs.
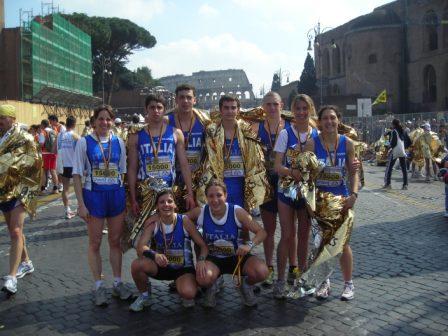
{"points": [[222, 93], [336, 59], [246, 95], [207, 97], [238, 94], [325, 63], [430, 31], [215, 96], [429, 84]]}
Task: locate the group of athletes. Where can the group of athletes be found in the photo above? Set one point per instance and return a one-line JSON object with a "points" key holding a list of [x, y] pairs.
{"points": [[172, 147]]}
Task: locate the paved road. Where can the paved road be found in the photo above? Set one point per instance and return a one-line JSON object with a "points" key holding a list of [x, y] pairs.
{"points": [[400, 244]]}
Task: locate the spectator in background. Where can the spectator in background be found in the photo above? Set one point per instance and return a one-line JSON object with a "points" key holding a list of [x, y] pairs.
{"points": [[47, 141], [87, 128], [396, 151]]}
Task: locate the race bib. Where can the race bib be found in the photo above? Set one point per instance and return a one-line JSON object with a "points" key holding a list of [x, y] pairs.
{"points": [[234, 167], [330, 177], [105, 176], [221, 248], [193, 158], [159, 167], [175, 257]]}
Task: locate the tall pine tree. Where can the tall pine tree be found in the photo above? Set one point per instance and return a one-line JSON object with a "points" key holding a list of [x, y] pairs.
{"points": [[307, 82]]}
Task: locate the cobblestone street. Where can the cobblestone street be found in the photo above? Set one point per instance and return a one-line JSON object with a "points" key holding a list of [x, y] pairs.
{"points": [[400, 244]]}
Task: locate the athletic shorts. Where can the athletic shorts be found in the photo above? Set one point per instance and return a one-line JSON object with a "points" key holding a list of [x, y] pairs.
{"points": [[272, 205], [9, 205], [67, 172], [169, 273], [105, 204], [49, 160], [293, 204], [227, 265], [235, 190]]}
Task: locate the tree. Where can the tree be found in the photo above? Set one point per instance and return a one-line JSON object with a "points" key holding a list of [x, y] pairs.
{"points": [[307, 82], [140, 78], [276, 83], [114, 39]]}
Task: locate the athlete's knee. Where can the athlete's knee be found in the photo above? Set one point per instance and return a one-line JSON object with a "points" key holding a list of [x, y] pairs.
{"points": [[187, 291]]}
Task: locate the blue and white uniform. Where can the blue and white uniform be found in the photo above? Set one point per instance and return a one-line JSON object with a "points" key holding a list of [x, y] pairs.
{"points": [[234, 173], [103, 190], [163, 166], [333, 177], [178, 244]]}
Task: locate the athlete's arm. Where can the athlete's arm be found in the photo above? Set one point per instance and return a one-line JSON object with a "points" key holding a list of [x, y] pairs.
{"points": [[193, 214], [142, 244], [196, 236], [132, 171], [248, 223], [181, 156], [353, 176]]}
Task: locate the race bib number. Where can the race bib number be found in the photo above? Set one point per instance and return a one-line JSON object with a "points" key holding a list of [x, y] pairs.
{"points": [[105, 176], [193, 158], [221, 248], [330, 177], [160, 167], [234, 167], [175, 257]]}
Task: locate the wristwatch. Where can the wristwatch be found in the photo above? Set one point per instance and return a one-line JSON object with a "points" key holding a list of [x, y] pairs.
{"points": [[202, 258], [251, 244]]}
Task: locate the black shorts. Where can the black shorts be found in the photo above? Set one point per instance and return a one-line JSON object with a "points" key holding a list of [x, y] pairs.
{"points": [[9, 205], [67, 172], [169, 273], [272, 205], [227, 265]]}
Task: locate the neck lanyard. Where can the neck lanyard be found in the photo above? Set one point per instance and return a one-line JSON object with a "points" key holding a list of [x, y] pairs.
{"points": [[333, 163], [187, 140], [155, 150], [228, 150], [106, 161], [162, 225], [276, 132]]}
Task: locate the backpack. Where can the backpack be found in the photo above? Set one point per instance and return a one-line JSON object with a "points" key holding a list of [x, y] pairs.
{"points": [[50, 142]]}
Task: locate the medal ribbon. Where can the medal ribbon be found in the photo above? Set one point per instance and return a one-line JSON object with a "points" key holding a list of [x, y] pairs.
{"points": [[276, 133], [333, 163], [106, 161], [187, 139], [302, 144], [154, 150], [228, 150], [164, 234]]}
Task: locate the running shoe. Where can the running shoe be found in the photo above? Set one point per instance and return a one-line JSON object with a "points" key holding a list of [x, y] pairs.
{"points": [[387, 187], [349, 292], [188, 303], [25, 267], [279, 290], [10, 285], [101, 296], [210, 296], [404, 187], [55, 190], [60, 188], [69, 214], [121, 291], [323, 291], [247, 294], [140, 303], [270, 279], [219, 283]]}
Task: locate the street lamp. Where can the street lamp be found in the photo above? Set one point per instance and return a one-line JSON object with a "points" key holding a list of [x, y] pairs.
{"points": [[105, 64], [313, 35]]}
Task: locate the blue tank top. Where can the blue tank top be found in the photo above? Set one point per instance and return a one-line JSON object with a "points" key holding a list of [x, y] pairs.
{"points": [[270, 154], [163, 166], [178, 245], [233, 163], [104, 178], [332, 178], [194, 147], [294, 143], [222, 240]]}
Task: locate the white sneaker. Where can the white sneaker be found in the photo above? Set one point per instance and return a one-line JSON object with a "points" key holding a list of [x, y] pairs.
{"points": [[100, 296], [324, 290], [210, 296], [10, 285], [25, 267], [121, 291], [69, 214], [247, 293], [140, 303], [349, 292], [279, 290], [188, 303]]}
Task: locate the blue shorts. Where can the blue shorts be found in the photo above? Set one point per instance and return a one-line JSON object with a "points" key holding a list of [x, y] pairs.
{"points": [[272, 205], [105, 204], [300, 204], [9, 205], [235, 190]]}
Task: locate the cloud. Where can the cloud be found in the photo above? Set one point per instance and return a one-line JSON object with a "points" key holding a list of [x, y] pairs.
{"points": [[219, 52], [208, 11]]}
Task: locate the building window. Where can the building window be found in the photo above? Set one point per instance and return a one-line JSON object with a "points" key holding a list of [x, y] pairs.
{"points": [[429, 84], [372, 59], [430, 31]]}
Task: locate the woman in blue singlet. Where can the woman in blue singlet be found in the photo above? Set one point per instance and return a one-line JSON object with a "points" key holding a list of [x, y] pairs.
{"points": [[101, 158], [221, 224], [294, 137], [172, 258], [338, 154]]}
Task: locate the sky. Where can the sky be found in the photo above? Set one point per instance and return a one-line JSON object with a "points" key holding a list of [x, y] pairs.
{"points": [[259, 36]]}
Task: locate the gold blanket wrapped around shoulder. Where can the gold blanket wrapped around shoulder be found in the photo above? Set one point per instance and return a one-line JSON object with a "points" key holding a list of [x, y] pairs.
{"points": [[258, 114], [309, 167], [256, 185], [147, 191], [426, 146], [333, 233], [20, 169]]}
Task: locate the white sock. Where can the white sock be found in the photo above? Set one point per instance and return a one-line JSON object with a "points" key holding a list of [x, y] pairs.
{"points": [[145, 294], [98, 284], [117, 281]]}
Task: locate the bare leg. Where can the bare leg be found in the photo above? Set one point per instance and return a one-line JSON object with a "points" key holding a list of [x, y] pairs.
{"points": [[94, 229], [140, 269], [346, 262], [115, 226], [186, 286], [286, 216], [66, 186], [255, 269], [15, 219], [269, 223]]}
